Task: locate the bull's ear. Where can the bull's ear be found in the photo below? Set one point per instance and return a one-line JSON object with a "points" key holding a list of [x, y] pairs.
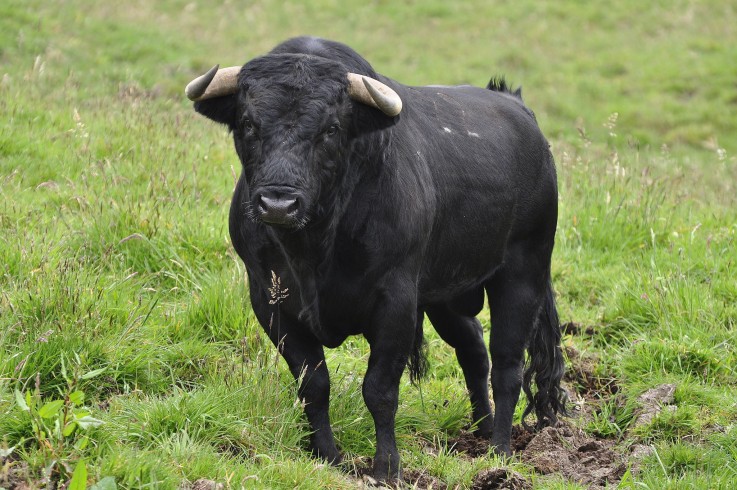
{"points": [[219, 109]]}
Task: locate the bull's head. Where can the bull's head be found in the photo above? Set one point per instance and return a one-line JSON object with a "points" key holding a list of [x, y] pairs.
{"points": [[290, 116]]}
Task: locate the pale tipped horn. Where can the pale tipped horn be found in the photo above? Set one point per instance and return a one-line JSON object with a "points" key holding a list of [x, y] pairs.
{"points": [[215, 83], [374, 93]]}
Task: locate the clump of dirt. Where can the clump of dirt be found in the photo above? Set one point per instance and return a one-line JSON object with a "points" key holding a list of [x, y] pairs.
{"points": [[468, 444], [500, 479], [571, 453], [521, 438]]}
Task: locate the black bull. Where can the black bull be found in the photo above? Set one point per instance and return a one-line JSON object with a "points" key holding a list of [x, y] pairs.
{"points": [[372, 221]]}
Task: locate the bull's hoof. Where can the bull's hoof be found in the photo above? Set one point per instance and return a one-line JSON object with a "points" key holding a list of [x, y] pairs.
{"points": [[372, 482], [386, 483], [386, 473], [484, 433], [501, 450], [331, 456]]}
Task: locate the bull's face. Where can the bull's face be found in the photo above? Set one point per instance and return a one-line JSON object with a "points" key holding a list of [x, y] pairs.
{"points": [[291, 138], [290, 116]]}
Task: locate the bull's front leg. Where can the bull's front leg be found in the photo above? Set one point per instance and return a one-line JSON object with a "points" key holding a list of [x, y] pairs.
{"points": [[306, 360], [314, 392], [391, 342]]}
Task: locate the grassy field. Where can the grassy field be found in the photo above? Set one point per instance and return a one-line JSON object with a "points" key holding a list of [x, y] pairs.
{"points": [[129, 356]]}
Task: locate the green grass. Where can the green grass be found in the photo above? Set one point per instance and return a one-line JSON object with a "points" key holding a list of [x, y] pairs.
{"points": [[114, 251]]}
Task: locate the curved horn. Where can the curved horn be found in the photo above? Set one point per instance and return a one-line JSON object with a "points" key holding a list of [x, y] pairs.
{"points": [[374, 93], [214, 83]]}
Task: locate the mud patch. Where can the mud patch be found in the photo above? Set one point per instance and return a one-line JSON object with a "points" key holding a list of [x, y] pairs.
{"points": [[571, 453], [501, 479]]}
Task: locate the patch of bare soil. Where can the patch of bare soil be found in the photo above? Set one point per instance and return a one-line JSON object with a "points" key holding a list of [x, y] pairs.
{"points": [[521, 437], [15, 474], [422, 480], [570, 452], [581, 375], [500, 479], [418, 479], [563, 450], [469, 445]]}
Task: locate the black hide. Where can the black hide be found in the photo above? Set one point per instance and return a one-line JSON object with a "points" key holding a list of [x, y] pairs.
{"points": [[371, 222]]}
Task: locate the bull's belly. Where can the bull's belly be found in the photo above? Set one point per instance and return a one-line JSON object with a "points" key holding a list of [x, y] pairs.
{"points": [[453, 275], [445, 289]]}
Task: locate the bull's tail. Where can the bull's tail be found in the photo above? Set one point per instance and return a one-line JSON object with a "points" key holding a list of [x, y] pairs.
{"points": [[418, 364], [545, 366], [499, 84]]}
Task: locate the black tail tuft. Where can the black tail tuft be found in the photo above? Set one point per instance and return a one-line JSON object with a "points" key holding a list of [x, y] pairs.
{"points": [[545, 364], [499, 84], [418, 364]]}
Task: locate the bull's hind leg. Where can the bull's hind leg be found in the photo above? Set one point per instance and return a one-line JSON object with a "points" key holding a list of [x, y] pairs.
{"points": [[465, 335], [516, 292]]}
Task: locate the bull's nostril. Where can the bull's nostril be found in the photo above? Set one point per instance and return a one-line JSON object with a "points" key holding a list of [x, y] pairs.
{"points": [[293, 207], [262, 206]]}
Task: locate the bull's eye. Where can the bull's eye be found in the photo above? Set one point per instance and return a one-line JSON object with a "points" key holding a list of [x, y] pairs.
{"points": [[247, 126], [332, 130]]}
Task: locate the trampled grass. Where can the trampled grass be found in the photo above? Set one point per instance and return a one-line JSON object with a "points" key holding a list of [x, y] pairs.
{"points": [[118, 281]]}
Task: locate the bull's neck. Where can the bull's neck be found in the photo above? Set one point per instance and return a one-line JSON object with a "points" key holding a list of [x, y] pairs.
{"points": [[308, 254]]}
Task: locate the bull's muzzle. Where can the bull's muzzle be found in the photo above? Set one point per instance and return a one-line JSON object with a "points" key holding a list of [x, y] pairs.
{"points": [[280, 206]]}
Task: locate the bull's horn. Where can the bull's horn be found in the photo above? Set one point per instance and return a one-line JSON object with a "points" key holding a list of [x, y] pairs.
{"points": [[374, 93], [214, 83]]}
